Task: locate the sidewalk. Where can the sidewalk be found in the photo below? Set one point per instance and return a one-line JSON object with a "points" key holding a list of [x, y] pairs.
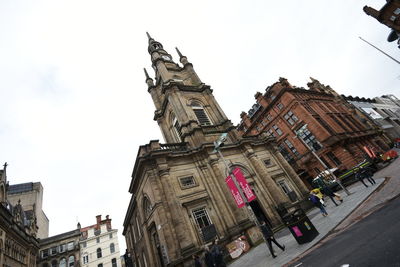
{"points": [[260, 255]]}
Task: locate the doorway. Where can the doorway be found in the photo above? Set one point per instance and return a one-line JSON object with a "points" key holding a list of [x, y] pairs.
{"points": [[258, 212]]}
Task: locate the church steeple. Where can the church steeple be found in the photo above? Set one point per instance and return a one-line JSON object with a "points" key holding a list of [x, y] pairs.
{"points": [[186, 110]]}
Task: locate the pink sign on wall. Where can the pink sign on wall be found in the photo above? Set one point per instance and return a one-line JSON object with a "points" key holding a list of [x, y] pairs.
{"points": [[235, 192], [243, 184]]}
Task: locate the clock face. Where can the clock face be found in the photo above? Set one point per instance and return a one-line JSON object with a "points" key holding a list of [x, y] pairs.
{"points": [[166, 57]]}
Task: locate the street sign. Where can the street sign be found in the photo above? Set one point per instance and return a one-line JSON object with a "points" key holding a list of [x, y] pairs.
{"points": [[235, 192], [243, 184]]}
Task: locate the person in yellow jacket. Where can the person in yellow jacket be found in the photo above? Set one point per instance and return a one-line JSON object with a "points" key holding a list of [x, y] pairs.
{"points": [[318, 193]]}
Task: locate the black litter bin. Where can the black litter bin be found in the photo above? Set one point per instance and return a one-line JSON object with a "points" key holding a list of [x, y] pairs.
{"points": [[300, 226]]}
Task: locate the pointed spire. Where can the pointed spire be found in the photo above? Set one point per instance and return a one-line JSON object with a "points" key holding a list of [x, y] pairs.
{"points": [[179, 52], [148, 36], [182, 58], [145, 73], [153, 44], [149, 80]]}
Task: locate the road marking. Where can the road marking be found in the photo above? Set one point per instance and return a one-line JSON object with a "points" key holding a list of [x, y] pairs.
{"points": [[345, 265], [298, 264]]}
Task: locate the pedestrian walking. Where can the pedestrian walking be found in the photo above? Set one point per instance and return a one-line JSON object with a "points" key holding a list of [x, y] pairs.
{"points": [[368, 173], [269, 238], [359, 176], [317, 202], [217, 254], [328, 192], [208, 258], [197, 262]]}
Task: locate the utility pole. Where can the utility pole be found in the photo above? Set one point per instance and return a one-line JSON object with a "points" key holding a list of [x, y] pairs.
{"points": [[320, 160], [395, 60]]}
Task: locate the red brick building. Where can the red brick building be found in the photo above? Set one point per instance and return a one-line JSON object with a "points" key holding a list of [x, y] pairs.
{"points": [[334, 129]]}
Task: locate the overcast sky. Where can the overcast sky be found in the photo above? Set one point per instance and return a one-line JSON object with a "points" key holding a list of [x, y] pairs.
{"points": [[74, 103]]}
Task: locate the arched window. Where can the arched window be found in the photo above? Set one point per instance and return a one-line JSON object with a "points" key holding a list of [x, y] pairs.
{"points": [[114, 262], [85, 258], [112, 248], [63, 262], [54, 263], [200, 113], [176, 128], [71, 261], [147, 207], [99, 255]]}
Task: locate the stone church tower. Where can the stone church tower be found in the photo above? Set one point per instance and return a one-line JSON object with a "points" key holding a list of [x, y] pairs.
{"points": [[180, 201]]}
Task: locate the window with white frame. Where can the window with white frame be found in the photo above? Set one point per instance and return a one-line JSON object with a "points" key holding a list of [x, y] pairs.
{"points": [[177, 128], [112, 248], [284, 186], [292, 148], [114, 262], [85, 258], [201, 217], [71, 261], [277, 130], [291, 118], [309, 139], [270, 133], [53, 251], [200, 113], [70, 246]]}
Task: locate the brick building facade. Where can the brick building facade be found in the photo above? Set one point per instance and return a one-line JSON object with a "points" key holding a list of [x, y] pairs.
{"points": [[335, 130]]}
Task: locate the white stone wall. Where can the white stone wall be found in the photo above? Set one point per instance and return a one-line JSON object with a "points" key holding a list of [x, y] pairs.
{"points": [[90, 245]]}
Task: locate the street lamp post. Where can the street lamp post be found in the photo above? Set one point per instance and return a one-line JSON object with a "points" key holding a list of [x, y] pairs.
{"points": [[319, 159]]}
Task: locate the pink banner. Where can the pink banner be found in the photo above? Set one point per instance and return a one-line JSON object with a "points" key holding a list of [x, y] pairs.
{"points": [[235, 192], [243, 184]]}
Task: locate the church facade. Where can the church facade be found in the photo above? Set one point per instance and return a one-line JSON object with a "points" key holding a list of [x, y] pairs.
{"points": [[180, 200]]}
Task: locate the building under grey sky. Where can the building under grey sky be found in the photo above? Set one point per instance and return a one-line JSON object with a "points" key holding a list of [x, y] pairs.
{"points": [[75, 106]]}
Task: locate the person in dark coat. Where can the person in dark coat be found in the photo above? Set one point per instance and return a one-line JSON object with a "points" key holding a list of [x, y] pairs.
{"points": [[197, 262], [359, 176], [217, 254], [208, 258], [368, 173], [269, 238], [328, 192]]}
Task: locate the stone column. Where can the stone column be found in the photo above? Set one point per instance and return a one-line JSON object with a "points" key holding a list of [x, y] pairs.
{"points": [[291, 173], [221, 208], [169, 220], [276, 193]]}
